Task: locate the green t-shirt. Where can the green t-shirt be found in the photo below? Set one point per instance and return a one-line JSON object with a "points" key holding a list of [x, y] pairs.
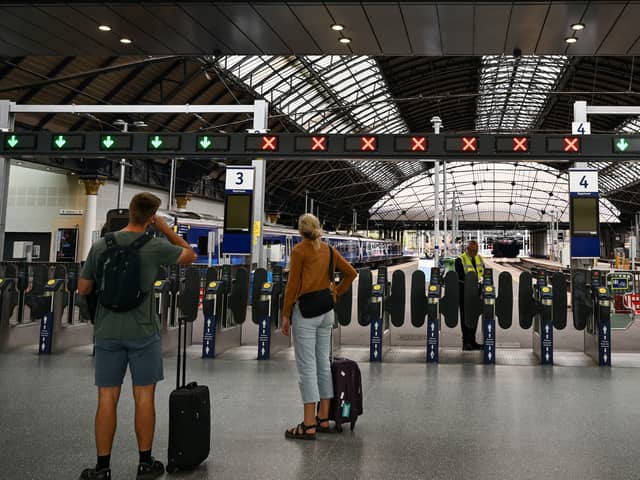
{"points": [[143, 320]]}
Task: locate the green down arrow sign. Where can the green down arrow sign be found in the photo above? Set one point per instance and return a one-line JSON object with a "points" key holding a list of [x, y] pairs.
{"points": [[622, 145], [108, 141], [205, 143], [156, 142], [60, 141], [12, 141]]}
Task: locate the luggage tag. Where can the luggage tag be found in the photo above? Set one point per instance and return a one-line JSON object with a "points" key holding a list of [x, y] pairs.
{"points": [[346, 409]]}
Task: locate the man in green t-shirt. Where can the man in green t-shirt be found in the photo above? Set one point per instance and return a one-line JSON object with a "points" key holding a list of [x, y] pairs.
{"points": [[131, 338]]}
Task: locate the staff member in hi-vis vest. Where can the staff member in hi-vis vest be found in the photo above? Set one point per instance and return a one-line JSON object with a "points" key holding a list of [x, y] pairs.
{"points": [[469, 261]]}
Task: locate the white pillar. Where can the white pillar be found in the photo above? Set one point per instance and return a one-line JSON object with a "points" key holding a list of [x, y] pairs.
{"points": [[260, 124], [5, 165], [91, 186], [436, 215]]}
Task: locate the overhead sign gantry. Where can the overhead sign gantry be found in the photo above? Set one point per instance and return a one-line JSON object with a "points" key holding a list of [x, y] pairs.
{"points": [[308, 146]]}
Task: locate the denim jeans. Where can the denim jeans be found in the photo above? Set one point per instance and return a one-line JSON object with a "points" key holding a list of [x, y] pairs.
{"points": [[312, 345]]}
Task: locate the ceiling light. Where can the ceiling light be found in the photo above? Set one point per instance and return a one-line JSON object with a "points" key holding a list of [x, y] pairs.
{"points": [[104, 28], [337, 27], [125, 40], [571, 39], [345, 40], [577, 26]]}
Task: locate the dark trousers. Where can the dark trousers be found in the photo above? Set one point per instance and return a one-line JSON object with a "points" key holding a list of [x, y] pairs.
{"points": [[468, 333]]}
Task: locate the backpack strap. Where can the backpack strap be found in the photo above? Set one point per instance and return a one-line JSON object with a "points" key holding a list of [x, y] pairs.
{"points": [[110, 239], [141, 241]]}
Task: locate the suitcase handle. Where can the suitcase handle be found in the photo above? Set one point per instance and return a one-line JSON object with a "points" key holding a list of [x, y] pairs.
{"points": [[182, 355]]}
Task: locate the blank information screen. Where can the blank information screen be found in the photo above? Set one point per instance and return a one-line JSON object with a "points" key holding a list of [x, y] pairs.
{"points": [[584, 218], [237, 214]]}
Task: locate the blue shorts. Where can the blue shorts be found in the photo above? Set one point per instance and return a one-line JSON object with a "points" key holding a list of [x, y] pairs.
{"points": [[143, 355]]}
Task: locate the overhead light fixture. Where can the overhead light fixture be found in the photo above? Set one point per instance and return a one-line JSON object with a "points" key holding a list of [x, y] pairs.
{"points": [[571, 40], [345, 40], [337, 27], [125, 40], [577, 26], [104, 28]]}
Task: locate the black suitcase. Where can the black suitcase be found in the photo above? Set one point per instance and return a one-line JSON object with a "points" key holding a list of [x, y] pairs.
{"points": [[346, 405], [189, 417]]}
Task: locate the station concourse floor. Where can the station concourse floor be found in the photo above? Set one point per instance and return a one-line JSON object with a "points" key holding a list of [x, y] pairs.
{"points": [[451, 421]]}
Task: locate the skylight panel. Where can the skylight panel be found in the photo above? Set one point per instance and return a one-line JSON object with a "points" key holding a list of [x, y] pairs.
{"points": [[514, 90]]}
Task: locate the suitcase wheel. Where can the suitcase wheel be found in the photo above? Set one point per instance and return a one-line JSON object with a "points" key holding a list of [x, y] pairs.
{"points": [[339, 427], [171, 468], [353, 425]]}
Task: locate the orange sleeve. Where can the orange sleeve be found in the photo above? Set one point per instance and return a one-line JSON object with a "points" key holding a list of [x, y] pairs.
{"points": [[294, 282], [349, 273]]}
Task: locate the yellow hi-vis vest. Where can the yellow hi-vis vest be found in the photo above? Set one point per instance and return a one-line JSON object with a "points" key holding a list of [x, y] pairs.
{"points": [[468, 265]]}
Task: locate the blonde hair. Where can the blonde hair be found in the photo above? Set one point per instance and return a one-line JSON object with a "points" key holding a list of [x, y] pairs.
{"points": [[309, 227]]}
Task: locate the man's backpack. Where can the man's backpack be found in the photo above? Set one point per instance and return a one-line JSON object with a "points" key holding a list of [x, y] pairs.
{"points": [[118, 274]]}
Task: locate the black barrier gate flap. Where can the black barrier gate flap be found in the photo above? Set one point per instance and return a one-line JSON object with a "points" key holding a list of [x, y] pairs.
{"points": [[504, 302], [343, 307], [60, 272], [581, 303], [527, 305], [418, 298], [239, 295], [395, 304], [10, 271], [190, 295], [451, 299], [37, 303], [472, 299], [365, 284], [559, 292], [259, 277]]}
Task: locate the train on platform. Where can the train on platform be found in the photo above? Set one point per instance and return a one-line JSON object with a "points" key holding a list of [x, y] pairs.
{"points": [[204, 233], [506, 247]]}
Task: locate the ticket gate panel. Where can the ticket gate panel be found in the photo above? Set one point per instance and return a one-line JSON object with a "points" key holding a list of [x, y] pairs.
{"points": [[365, 285], [581, 304], [259, 278], [238, 296], [343, 307], [472, 299], [504, 302], [450, 301], [527, 306], [418, 298], [559, 289], [395, 303]]}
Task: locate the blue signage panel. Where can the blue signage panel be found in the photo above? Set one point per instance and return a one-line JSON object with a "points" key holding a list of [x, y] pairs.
{"points": [[433, 340], [604, 343], [209, 337], [46, 333], [264, 338], [489, 331], [546, 342], [375, 347]]}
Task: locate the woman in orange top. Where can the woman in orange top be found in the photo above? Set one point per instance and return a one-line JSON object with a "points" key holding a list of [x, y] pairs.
{"points": [[310, 272]]}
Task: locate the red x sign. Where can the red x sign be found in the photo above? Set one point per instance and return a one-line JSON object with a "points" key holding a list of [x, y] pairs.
{"points": [[469, 144], [520, 144], [368, 144], [319, 144], [418, 144], [571, 144], [270, 143]]}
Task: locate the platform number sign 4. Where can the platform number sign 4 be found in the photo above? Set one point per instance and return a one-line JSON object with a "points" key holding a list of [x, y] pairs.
{"points": [[581, 128], [583, 182], [239, 179]]}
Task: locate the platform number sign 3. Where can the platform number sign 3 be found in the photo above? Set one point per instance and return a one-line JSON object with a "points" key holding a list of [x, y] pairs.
{"points": [[239, 179]]}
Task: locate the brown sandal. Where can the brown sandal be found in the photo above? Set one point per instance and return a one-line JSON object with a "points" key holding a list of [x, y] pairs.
{"points": [[300, 432]]}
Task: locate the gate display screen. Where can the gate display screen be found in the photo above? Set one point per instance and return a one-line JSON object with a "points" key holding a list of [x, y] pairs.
{"points": [[237, 213], [584, 216]]}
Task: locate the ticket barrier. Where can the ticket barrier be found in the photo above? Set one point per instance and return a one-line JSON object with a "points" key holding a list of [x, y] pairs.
{"points": [[379, 305], [163, 300], [224, 308], [490, 305], [15, 332], [591, 304], [432, 304], [266, 312], [342, 312], [543, 306]]}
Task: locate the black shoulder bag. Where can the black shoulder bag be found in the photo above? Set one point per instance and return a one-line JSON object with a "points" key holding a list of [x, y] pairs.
{"points": [[314, 304]]}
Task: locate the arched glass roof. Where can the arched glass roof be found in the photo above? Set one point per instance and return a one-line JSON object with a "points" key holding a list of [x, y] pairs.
{"points": [[496, 192]]}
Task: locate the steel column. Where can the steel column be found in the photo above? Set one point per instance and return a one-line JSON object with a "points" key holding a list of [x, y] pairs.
{"points": [[260, 111], [5, 166]]}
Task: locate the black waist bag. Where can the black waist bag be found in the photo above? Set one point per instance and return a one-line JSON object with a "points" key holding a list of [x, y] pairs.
{"points": [[314, 304]]}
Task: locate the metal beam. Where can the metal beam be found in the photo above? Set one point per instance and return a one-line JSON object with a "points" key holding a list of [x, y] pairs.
{"points": [[54, 71], [76, 109], [92, 73]]}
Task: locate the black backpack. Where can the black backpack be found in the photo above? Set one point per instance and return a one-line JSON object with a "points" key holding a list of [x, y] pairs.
{"points": [[119, 274]]}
